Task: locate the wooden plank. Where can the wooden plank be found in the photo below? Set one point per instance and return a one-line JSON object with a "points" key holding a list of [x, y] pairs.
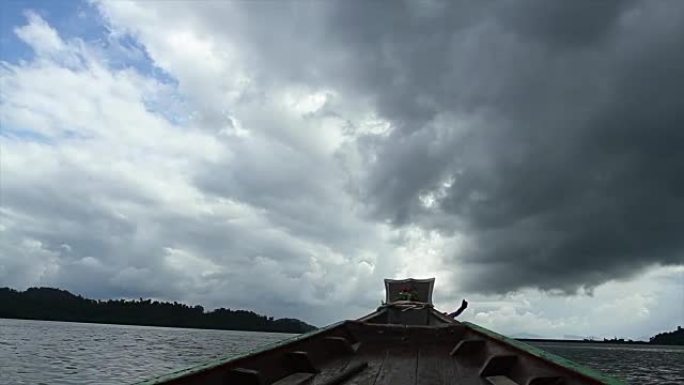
{"points": [[300, 361], [433, 366], [501, 380], [346, 374], [399, 367], [464, 372], [331, 369], [469, 347], [339, 344], [499, 365], [549, 380], [294, 379], [242, 376], [375, 357]]}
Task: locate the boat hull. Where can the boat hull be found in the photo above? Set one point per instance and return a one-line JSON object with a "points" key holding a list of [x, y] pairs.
{"points": [[402, 344]]}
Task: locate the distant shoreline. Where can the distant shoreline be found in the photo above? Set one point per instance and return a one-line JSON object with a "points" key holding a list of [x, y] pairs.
{"points": [[145, 326], [673, 338], [628, 342], [51, 304]]}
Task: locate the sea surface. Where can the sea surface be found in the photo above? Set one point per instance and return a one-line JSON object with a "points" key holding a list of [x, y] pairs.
{"points": [[62, 353], [636, 364]]}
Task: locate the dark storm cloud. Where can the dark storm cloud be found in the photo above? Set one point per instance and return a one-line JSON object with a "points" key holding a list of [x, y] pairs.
{"points": [[563, 23], [553, 130], [546, 133]]}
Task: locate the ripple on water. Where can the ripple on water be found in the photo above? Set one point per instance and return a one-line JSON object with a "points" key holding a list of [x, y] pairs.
{"points": [[636, 364]]}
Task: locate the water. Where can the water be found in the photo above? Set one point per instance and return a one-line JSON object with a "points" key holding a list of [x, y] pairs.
{"points": [[636, 364], [61, 353]]}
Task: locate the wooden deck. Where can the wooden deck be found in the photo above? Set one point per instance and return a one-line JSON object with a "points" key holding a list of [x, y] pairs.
{"points": [[401, 365], [419, 356], [366, 353], [403, 343], [399, 355]]}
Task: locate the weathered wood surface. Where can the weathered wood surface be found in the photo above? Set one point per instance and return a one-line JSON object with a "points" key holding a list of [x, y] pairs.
{"points": [[435, 366], [371, 352], [376, 360], [399, 366]]}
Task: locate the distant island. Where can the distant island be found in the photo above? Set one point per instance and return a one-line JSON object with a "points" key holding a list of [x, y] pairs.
{"points": [[60, 305], [675, 337]]}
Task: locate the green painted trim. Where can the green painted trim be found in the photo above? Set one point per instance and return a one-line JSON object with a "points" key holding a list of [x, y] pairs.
{"points": [[544, 355], [161, 379]]}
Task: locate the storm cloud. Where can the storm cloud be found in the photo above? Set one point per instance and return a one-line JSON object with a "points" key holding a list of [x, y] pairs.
{"points": [[574, 177], [285, 157], [547, 133]]}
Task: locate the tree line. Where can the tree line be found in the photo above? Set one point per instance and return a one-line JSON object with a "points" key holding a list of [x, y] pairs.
{"points": [[60, 305], [675, 337]]}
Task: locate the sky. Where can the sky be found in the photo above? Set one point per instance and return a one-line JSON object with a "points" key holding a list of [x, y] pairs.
{"points": [[286, 157]]}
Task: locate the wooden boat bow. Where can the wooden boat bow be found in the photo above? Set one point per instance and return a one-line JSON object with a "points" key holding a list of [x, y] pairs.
{"points": [[402, 342]]}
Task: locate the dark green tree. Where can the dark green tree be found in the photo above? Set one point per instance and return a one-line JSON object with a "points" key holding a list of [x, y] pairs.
{"points": [[60, 305]]}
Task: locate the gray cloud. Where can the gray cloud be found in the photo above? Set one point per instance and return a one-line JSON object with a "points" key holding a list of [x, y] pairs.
{"points": [[544, 132], [539, 139], [563, 24], [570, 173], [553, 125]]}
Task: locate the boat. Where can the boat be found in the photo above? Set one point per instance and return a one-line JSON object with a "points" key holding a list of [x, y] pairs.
{"points": [[405, 341]]}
